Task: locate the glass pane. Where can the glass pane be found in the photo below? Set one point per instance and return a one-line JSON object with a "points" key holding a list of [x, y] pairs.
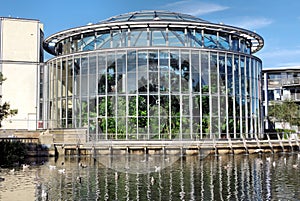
{"points": [[210, 40], [222, 76], [153, 82], [87, 42], [70, 79], [224, 41], [121, 106], [59, 79], [153, 61], [111, 73], [116, 39], [111, 106], [214, 74], [204, 72], [84, 112], [195, 38], [121, 72], [132, 106], [102, 40], [164, 105], [92, 77], [185, 71], [158, 37], [92, 107], [121, 128], [64, 77], [154, 127], [101, 106], [236, 68], [176, 38], [185, 105], [164, 81], [84, 76], [174, 71], [235, 44], [229, 75], [138, 38]]}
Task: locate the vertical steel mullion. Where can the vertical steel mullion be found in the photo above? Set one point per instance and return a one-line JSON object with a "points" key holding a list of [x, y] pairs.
{"points": [[190, 94], [126, 96], [47, 98], [137, 93], [88, 95], [167, 37], [97, 98], [106, 97], [210, 95], [246, 96], [73, 94], [186, 38], [115, 94], [149, 37], [227, 97], [240, 98], [258, 91], [266, 102], [201, 93], [111, 38], [158, 96], [218, 45], [251, 96], [48, 95], [61, 94], [129, 37], [234, 94], [148, 96], [66, 89], [202, 38], [180, 97], [219, 95], [169, 97]]}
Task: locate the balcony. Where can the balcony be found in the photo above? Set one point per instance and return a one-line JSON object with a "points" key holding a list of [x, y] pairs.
{"points": [[274, 83], [291, 82]]}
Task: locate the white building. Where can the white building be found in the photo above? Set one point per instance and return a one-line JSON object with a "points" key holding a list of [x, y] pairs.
{"points": [[280, 83], [21, 55]]}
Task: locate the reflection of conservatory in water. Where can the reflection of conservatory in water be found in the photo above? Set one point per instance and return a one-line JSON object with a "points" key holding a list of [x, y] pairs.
{"points": [[154, 75]]}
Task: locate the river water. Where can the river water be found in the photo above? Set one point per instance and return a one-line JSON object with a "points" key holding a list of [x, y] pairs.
{"points": [[144, 177]]}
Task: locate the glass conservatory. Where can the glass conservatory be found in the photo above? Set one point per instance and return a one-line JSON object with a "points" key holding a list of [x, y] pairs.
{"points": [[152, 75]]}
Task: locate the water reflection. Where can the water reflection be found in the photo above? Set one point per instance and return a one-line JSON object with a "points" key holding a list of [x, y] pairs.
{"points": [[223, 177]]}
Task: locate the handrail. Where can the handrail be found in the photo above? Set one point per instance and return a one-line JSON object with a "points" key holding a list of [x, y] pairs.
{"points": [[20, 139]]}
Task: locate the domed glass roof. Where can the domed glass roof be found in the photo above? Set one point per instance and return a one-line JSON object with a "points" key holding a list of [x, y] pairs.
{"points": [[152, 16], [139, 20]]}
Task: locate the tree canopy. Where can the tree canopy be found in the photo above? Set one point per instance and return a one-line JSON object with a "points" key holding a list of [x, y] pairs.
{"points": [[286, 111]]}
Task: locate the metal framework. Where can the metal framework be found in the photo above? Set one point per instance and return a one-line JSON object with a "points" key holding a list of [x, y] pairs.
{"points": [[131, 77]]}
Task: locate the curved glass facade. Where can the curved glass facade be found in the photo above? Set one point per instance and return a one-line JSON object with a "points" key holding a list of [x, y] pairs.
{"points": [[154, 83]]}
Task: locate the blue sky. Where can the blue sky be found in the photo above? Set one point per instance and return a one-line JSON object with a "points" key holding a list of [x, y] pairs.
{"points": [[278, 22]]}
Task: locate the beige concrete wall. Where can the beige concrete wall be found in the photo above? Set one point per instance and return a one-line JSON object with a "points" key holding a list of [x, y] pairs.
{"points": [[19, 89], [20, 53], [19, 40]]}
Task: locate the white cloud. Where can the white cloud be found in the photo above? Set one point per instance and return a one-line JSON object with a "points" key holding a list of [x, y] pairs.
{"points": [[280, 57], [193, 7], [253, 23]]}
